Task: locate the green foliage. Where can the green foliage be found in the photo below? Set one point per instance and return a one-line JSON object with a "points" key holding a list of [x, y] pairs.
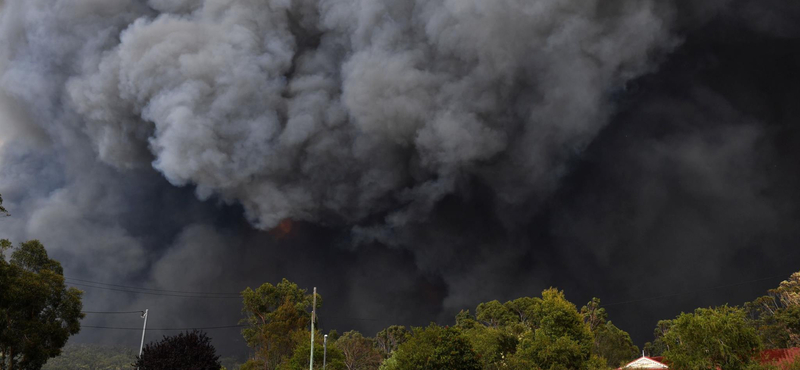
{"points": [[389, 364], [711, 338], [614, 345], [543, 333], [526, 311], [776, 316], [494, 346], [185, 351], [299, 359], [387, 340], [657, 347], [593, 314], [360, 353], [465, 320], [561, 340], [494, 314], [610, 342], [37, 311], [274, 314], [91, 357], [435, 348]]}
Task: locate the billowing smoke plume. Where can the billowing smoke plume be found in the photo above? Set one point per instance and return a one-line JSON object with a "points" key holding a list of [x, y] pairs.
{"points": [[432, 153], [347, 109]]}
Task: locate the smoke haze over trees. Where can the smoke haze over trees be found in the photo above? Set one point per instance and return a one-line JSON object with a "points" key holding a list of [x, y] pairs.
{"points": [[419, 156]]}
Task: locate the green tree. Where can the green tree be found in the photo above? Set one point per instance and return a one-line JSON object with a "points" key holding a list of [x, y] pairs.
{"points": [[299, 358], [494, 314], [434, 348], [614, 345], [610, 342], [560, 340], [465, 320], [185, 351], [274, 313], [526, 310], [494, 345], [711, 338], [387, 340], [359, 352], [38, 313], [657, 347], [776, 316]]}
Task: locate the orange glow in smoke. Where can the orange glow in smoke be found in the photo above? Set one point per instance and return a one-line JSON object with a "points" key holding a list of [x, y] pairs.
{"points": [[283, 229]]}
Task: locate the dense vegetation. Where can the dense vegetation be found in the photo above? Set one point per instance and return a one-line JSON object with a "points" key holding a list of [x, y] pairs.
{"points": [[546, 332], [92, 357], [185, 351], [38, 313], [543, 332]]}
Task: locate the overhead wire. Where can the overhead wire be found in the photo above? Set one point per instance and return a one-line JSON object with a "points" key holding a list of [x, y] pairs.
{"points": [[112, 312], [154, 293], [149, 289], [164, 329]]}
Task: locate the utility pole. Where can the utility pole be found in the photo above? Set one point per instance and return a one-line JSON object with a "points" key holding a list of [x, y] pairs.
{"points": [[144, 328], [325, 351], [313, 316]]}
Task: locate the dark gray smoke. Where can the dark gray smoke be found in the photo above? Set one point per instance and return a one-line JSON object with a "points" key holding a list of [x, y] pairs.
{"points": [[432, 154]]}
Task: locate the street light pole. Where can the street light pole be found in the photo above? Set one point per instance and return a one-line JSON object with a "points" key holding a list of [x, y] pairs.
{"points": [[325, 351], [313, 316]]}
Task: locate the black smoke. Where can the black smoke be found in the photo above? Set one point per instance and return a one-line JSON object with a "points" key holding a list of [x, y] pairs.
{"points": [[432, 154]]}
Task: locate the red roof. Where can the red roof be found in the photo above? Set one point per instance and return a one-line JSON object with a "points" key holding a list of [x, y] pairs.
{"points": [[779, 356]]}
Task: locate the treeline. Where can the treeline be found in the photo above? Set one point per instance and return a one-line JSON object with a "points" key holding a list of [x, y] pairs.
{"points": [[544, 332], [732, 338], [100, 357]]}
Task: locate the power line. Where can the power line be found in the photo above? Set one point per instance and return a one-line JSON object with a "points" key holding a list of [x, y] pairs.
{"points": [[164, 329], [111, 312], [149, 289], [153, 293]]}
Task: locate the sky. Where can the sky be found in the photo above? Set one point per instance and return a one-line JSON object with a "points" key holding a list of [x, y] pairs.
{"points": [[410, 159]]}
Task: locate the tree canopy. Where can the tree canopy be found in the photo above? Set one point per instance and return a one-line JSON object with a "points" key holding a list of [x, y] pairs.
{"points": [[38, 313], [360, 353], [711, 338], [435, 347], [274, 314], [185, 351], [610, 342], [776, 315]]}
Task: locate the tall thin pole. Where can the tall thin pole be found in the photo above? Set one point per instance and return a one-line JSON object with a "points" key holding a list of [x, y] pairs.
{"points": [[325, 351], [144, 328], [313, 316]]}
